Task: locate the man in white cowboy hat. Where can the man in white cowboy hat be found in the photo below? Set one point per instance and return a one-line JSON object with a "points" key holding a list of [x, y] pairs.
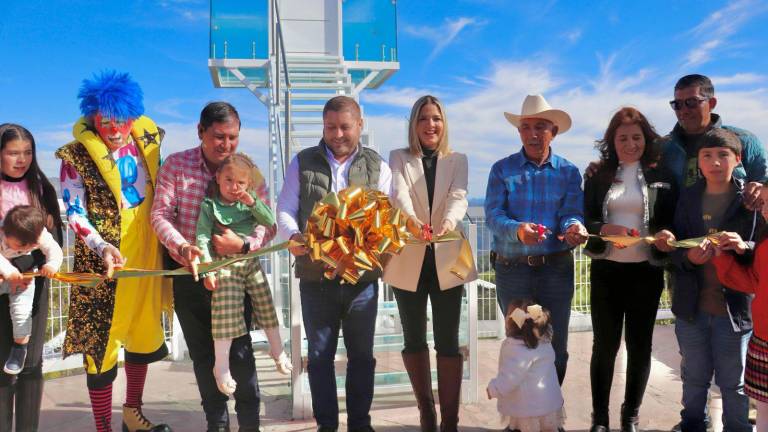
{"points": [[533, 206]]}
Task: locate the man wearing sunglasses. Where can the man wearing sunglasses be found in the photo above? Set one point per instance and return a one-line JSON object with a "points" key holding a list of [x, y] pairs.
{"points": [[693, 105]]}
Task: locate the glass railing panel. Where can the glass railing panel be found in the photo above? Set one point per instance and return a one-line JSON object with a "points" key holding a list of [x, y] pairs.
{"points": [[239, 30], [370, 30]]}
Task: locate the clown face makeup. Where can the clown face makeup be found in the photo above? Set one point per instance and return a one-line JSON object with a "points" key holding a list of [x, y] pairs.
{"points": [[114, 133]]}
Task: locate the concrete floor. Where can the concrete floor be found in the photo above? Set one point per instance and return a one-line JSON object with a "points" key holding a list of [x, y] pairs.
{"points": [[172, 397]]}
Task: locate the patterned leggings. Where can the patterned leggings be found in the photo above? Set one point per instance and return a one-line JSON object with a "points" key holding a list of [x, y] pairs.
{"points": [[227, 304]]}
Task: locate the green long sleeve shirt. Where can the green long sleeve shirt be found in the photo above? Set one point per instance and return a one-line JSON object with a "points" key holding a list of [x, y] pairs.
{"points": [[238, 217]]}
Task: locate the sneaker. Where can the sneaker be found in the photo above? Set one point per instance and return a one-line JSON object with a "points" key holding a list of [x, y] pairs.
{"points": [[283, 364], [15, 362]]}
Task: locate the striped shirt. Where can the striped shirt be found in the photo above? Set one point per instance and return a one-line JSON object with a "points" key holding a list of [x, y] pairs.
{"points": [[181, 186], [520, 191]]}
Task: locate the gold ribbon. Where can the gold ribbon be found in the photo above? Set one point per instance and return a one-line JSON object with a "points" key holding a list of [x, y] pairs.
{"points": [[465, 261], [626, 241], [95, 279]]}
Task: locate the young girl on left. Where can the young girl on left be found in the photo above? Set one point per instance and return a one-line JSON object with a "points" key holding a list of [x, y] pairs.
{"points": [[24, 183], [529, 393], [232, 202]]}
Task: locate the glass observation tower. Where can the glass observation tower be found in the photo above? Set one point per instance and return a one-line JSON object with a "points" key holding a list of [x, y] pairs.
{"points": [[294, 55]]}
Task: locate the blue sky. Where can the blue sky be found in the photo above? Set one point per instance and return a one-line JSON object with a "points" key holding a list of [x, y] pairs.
{"points": [[480, 56]]}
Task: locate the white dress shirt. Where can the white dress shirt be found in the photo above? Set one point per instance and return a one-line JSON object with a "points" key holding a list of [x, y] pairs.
{"points": [[288, 201]]}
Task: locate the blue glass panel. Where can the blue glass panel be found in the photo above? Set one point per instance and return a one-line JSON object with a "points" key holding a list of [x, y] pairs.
{"points": [[369, 30], [239, 30]]}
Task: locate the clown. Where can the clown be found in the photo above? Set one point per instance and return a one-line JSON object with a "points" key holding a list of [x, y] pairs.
{"points": [[107, 182]]}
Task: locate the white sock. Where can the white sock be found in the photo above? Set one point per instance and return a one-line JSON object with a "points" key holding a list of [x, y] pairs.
{"points": [[275, 343], [224, 379]]}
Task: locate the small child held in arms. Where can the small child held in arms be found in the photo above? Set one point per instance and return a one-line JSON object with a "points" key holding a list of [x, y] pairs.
{"points": [[752, 279], [24, 231], [529, 394], [232, 203]]}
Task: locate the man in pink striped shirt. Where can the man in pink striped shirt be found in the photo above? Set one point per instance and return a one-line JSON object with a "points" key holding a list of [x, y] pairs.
{"points": [[181, 187]]}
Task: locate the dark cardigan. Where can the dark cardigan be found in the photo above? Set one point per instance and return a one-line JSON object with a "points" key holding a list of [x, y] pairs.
{"points": [[662, 192]]}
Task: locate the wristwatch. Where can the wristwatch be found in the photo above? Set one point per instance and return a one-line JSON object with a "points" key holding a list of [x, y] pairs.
{"points": [[246, 247]]}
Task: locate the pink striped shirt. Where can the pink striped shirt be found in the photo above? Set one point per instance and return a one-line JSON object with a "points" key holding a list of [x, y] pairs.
{"points": [[181, 186]]}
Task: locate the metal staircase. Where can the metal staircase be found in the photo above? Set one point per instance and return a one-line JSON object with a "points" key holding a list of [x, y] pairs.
{"points": [[311, 81]]}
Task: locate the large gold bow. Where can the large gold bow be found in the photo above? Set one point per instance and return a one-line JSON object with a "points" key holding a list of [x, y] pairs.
{"points": [[350, 230]]}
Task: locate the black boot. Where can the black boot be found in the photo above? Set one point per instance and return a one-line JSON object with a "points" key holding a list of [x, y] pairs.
{"points": [[449, 374], [417, 365], [29, 396], [6, 407], [629, 419]]}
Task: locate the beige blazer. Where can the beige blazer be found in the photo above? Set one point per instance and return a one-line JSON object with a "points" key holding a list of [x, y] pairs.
{"points": [[409, 193]]}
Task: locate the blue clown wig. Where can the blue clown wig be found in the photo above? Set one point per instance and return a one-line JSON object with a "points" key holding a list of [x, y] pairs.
{"points": [[115, 95]]}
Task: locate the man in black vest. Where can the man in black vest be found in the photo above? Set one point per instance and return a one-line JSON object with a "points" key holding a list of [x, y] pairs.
{"points": [[337, 162]]}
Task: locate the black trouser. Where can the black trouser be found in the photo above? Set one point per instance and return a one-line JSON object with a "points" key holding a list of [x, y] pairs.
{"points": [[623, 294], [26, 387], [193, 307], [446, 312]]}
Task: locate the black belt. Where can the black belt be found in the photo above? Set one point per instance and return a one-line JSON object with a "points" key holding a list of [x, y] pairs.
{"points": [[531, 260]]}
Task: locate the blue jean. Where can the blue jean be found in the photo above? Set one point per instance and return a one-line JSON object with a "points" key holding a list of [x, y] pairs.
{"points": [[709, 345], [328, 307], [551, 286]]}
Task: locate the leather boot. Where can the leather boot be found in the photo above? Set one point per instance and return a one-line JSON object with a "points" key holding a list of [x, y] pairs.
{"points": [[449, 373], [134, 421], [417, 365], [629, 419], [29, 396], [6, 407]]}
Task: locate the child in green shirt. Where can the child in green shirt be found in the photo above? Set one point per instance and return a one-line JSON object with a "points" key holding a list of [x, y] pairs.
{"points": [[231, 202]]}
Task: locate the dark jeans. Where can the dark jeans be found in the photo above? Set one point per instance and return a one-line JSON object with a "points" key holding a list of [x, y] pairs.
{"points": [[446, 312], [551, 286], [193, 307], [328, 307], [623, 295]]}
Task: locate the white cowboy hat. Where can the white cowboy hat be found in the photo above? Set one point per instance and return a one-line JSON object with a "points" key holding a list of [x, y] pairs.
{"points": [[535, 106]]}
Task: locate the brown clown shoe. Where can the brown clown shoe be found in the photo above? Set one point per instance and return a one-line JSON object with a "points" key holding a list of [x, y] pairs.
{"points": [[134, 421]]}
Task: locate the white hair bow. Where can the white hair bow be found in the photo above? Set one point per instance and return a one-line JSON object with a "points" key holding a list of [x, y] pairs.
{"points": [[519, 316]]}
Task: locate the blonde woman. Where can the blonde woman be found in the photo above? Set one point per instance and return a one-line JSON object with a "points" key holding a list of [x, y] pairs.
{"points": [[429, 184]]}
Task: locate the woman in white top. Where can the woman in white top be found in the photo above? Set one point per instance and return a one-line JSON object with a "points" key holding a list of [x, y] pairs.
{"points": [[628, 195], [429, 184]]}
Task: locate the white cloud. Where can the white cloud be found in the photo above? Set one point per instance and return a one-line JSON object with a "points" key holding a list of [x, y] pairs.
{"points": [[738, 79], [574, 35], [478, 128], [714, 33], [187, 10], [445, 34]]}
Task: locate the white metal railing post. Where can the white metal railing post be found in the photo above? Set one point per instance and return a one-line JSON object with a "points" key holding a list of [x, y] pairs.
{"points": [[298, 397], [470, 395]]}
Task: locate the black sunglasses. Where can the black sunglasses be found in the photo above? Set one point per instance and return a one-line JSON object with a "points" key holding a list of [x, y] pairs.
{"points": [[690, 103]]}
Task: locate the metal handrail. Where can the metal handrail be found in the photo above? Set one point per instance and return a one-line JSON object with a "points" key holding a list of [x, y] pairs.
{"points": [[280, 57]]}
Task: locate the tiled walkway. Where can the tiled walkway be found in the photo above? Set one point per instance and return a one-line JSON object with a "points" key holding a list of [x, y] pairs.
{"points": [[171, 395]]}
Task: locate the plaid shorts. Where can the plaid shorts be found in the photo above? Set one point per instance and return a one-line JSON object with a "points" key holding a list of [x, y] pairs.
{"points": [[227, 321]]}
